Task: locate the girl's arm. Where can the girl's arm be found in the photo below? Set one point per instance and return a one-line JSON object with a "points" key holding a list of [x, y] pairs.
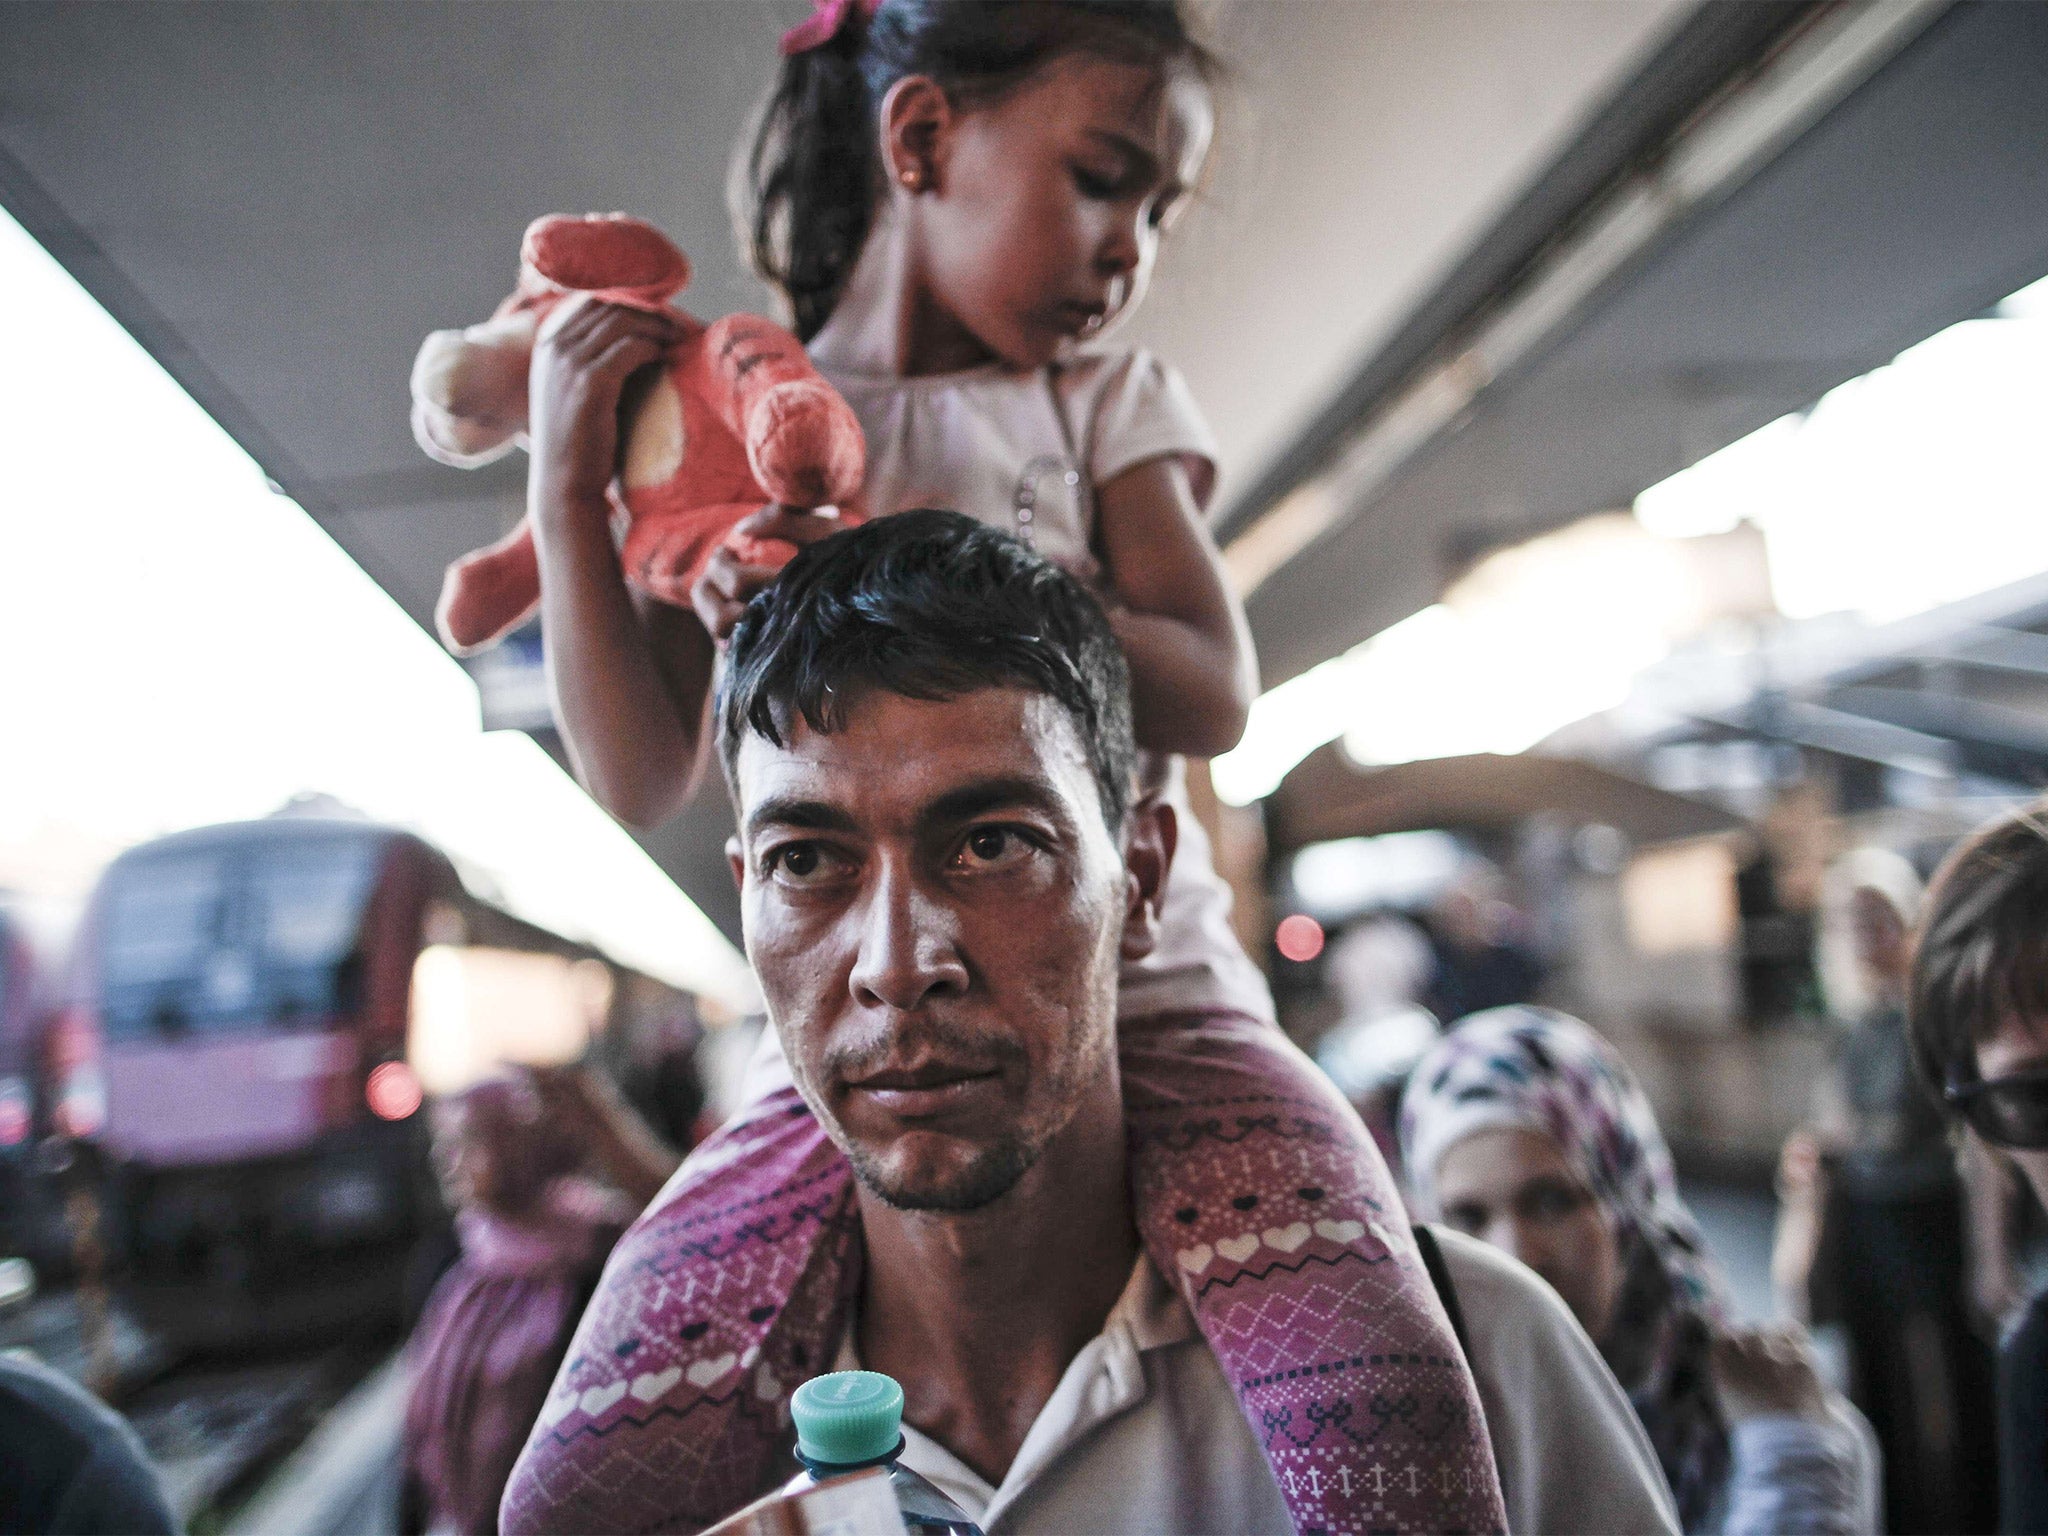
{"points": [[631, 676], [1193, 674], [629, 681]]}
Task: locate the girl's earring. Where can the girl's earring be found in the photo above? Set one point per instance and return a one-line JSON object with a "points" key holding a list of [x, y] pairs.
{"points": [[912, 178]]}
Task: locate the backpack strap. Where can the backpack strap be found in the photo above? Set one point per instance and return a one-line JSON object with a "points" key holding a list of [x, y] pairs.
{"points": [[1440, 1276]]}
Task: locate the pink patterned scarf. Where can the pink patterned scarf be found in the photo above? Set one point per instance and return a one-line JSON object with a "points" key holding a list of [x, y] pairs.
{"points": [[1259, 1194]]}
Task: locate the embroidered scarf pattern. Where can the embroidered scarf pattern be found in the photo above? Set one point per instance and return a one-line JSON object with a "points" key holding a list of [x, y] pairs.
{"points": [[1259, 1194]]}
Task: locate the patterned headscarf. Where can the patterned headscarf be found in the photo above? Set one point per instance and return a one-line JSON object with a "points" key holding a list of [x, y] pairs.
{"points": [[1535, 1069]]}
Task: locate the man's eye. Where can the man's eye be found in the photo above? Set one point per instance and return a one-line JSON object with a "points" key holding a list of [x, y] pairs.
{"points": [[989, 846], [798, 862]]}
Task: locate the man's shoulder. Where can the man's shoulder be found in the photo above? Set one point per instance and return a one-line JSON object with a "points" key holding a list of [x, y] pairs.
{"points": [[1571, 1453], [1519, 1333]]}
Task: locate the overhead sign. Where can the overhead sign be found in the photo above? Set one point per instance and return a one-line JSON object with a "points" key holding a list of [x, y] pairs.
{"points": [[512, 683]]}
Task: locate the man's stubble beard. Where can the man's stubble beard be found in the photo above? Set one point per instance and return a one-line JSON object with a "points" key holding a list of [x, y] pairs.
{"points": [[997, 1168], [1000, 1166], [994, 1172]]}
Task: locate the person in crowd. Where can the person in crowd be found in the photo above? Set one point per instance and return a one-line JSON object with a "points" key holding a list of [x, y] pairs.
{"points": [[1979, 1023], [615, 1142], [70, 1465], [652, 1057], [1872, 1232], [960, 198], [1377, 968], [1526, 1129], [942, 867], [534, 1232], [1484, 958]]}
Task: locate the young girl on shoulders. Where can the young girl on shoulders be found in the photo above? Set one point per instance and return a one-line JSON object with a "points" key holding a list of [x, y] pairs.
{"points": [[959, 198], [955, 197]]}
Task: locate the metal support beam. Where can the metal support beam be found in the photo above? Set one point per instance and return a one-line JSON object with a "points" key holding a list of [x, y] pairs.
{"points": [[1834, 730]]}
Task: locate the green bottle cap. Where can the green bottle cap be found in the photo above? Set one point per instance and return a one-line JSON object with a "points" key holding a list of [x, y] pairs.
{"points": [[847, 1417]]}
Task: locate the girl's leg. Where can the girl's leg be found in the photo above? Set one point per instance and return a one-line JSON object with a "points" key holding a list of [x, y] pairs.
{"points": [[1262, 1196]]}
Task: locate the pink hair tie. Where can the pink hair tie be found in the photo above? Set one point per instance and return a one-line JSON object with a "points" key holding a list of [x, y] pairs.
{"points": [[826, 21]]}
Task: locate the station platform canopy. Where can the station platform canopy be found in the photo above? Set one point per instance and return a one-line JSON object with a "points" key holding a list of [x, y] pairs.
{"points": [[1328, 797], [1466, 272]]}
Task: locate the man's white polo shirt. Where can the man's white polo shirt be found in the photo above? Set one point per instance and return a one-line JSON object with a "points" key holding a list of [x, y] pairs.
{"points": [[1143, 1434]]}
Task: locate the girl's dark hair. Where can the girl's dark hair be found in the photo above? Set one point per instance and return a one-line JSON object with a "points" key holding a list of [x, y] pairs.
{"points": [[806, 190], [1981, 955]]}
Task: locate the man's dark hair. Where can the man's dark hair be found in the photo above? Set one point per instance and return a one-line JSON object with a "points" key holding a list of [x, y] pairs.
{"points": [[929, 605], [1982, 952]]}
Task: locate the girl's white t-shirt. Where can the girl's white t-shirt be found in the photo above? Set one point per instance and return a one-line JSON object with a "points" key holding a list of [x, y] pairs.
{"points": [[1022, 452]]}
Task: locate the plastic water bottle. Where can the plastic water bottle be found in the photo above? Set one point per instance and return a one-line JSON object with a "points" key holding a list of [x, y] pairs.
{"points": [[851, 1420]]}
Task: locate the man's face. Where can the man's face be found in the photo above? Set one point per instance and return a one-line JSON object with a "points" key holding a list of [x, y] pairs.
{"points": [[935, 909]]}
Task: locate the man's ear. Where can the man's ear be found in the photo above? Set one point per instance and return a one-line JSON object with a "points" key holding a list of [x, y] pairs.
{"points": [[738, 861], [1151, 833], [916, 124]]}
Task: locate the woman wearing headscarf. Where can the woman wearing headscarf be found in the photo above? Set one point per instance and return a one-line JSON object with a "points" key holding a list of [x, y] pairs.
{"points": [[1524, 1128]]}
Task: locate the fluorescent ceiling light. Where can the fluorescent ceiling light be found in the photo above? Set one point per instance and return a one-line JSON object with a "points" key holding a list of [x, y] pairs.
{"points": [[1356, 874], [1531, 639]]}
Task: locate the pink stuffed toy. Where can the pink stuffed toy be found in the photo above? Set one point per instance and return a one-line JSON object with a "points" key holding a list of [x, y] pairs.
{"points": [[737, 418]]}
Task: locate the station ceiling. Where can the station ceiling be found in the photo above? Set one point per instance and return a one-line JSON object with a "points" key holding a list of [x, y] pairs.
{"points": [[1919, 199], [279, 199]]}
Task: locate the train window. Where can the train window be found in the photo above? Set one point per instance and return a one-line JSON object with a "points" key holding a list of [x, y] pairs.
{"points": [[163, 918], [216, 941], [312, 900]]}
